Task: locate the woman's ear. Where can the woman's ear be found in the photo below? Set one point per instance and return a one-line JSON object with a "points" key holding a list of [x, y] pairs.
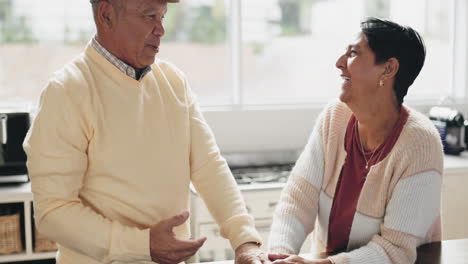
{"points": [[391, 69]]}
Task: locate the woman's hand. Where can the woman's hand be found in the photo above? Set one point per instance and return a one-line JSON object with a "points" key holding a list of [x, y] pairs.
{"points": [[294, 259]]}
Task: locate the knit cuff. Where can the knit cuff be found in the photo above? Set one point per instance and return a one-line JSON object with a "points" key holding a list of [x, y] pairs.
{"points": [[240, 229]]}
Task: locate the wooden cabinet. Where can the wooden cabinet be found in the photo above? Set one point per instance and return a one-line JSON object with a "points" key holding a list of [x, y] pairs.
{"points": [[454, 207]]}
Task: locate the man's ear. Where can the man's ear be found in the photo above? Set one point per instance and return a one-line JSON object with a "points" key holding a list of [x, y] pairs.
{"points": [[391, 69], [106, 14]]}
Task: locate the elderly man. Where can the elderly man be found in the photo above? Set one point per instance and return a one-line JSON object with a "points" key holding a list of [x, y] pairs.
{"points": [[117, 140]]}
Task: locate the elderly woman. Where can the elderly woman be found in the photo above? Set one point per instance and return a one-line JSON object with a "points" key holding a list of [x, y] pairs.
{"points": [[368, 182]]}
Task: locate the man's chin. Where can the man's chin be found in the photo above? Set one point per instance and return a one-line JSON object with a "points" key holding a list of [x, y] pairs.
{"points": [[149, 61]]}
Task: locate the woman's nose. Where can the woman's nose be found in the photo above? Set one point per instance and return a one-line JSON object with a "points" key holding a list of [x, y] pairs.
{"points": [[340, 63]]}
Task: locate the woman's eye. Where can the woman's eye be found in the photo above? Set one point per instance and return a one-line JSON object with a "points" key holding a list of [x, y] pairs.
{"points": [[352, 53]]}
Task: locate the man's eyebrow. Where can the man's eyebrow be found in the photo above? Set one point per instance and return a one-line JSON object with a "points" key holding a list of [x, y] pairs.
{"points": [[152, 10], [149, 10]]}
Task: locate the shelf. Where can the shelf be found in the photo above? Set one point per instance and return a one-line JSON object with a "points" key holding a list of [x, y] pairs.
{"points": [[21, 194], [12, 193], [25, 257]]}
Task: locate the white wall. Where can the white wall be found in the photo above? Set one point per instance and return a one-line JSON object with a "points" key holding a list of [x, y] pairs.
{"points": [[262, 129], [272, 129]]}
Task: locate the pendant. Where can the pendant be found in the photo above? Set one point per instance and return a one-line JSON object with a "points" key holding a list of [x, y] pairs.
{"points": [[367, 166]]}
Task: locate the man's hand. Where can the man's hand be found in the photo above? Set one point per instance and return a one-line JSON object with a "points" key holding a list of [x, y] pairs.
{"points": [[250, 253], [165, 248], [294, 259]]}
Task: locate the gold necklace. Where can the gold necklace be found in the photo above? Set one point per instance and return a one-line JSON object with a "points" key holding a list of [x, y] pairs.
{"points": [[362, 148]]}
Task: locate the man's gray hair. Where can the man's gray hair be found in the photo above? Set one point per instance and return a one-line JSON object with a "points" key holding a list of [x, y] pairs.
{"points": [[95, 4]]}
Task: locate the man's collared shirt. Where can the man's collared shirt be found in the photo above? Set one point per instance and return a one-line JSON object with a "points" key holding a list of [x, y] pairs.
{"points": [[122, 66]]}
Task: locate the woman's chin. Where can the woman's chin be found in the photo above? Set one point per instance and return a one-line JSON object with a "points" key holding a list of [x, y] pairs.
{"points": [[344, 97]]}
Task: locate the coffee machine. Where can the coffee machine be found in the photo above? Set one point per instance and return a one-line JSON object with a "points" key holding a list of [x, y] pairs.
{"points": [[466, 133], [451, 126], [13, 129]]}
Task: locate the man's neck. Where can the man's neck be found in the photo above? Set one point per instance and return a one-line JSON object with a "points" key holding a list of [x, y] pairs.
{"points": [[108, 44], [135, 73]]}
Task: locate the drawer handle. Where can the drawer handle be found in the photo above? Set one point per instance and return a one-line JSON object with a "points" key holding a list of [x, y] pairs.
{"points": [[272, 204]]}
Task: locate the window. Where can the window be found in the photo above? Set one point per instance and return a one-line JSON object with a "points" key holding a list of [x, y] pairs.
{"points": [[290, 47], [36, 39], [234, 52], [196, 41]]}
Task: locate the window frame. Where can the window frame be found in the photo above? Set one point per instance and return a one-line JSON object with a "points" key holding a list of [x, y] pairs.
{"points": [[458, 79]]}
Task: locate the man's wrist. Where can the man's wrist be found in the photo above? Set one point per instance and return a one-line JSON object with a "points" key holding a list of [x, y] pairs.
{"points": [[248, 245]]}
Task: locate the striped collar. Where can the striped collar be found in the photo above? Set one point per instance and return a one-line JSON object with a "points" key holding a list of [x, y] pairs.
{"points": [[122, 66]]}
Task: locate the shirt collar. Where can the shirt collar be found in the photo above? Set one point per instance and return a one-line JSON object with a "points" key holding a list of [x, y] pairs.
{"points": [[122, 66]]}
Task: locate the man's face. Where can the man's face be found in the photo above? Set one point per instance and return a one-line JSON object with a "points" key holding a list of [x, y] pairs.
{"points": [[138, 30]]}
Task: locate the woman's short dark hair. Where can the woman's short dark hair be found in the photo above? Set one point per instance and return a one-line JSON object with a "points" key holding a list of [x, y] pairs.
{"points": [[390, 40]]}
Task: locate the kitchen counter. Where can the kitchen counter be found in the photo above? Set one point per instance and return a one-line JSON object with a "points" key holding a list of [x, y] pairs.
{"points": [[17, 192], [445, 252], [456, 164], [453, 165], [261, 200]]}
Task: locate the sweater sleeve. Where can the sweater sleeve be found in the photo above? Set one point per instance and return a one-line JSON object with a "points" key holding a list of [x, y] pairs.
{"points": [[412, 218], [214, 182], [56, 146], [297, 209]]}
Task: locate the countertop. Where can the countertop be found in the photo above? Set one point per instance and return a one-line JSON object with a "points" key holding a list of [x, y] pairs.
{"points": [[445, 252], [453, 165], [456, 164]]}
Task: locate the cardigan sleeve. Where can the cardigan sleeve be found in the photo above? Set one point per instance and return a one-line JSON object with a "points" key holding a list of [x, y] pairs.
{"points": [[56, 146], [297, 209], [412, 218]]}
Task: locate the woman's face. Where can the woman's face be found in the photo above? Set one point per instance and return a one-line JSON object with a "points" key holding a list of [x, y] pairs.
{"points": [[360, 73]]}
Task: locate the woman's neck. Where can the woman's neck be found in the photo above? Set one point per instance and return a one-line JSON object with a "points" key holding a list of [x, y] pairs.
{"points": [[375, 123]]}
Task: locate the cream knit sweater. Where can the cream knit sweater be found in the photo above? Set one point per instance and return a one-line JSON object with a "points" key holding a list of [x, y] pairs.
{"points": [[110, 156], [399, 205]]}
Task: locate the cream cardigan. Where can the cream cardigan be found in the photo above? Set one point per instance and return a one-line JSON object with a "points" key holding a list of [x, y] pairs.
{"points": [[399, 205]]}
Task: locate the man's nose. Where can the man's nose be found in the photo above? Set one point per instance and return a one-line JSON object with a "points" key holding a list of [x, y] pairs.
{"points": [[159, 30]]}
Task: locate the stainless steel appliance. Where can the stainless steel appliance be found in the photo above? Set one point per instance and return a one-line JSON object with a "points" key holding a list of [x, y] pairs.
{"points": [[261, 168], [466, 133], [13, 129], [451, 127]]}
